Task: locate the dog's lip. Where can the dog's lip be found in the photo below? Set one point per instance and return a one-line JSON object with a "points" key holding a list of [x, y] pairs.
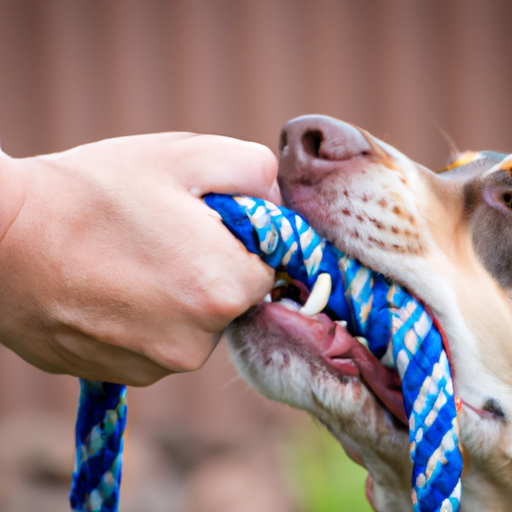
{"points": [[481, 413], [340, 350]]}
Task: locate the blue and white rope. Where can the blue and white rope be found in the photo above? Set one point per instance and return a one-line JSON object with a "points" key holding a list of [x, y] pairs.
{"points": [[389, 318], [99, 433], [395, 324]]}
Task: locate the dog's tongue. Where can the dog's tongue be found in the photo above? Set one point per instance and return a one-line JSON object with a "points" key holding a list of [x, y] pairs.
{"points": [[383, 381], [342, 352]]}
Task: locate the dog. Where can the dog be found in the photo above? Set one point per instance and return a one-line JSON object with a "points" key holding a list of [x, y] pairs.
{"points": [[447, 238]]}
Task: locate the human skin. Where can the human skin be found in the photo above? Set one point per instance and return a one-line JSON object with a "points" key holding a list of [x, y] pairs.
{"points": [[112, 267]]}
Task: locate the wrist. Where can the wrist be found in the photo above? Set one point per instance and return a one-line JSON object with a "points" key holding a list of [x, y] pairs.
{"points": [[13, 191]]}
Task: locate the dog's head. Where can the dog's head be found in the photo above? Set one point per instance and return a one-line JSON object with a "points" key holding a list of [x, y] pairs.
{"points": [[446, 237]]}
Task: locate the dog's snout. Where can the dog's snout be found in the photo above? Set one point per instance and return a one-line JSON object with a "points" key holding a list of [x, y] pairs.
{"points": [[313, 145], [323, 137]]}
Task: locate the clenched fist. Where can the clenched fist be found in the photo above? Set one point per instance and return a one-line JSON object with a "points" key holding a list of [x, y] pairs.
{"points": [[111, 266]]}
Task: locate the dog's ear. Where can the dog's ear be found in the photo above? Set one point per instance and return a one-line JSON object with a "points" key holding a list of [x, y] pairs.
{"points": [[459, 159], [488, 204], [469, 164]]}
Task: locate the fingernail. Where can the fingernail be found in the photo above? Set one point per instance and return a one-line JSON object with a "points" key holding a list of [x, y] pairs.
{"points": [[274, 194]]}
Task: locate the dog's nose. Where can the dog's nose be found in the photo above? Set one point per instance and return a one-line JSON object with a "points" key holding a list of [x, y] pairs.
{"points": [[314, 145]]}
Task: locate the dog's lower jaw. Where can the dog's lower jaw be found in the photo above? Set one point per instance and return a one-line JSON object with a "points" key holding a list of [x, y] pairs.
{"points": [[386, 497], [388, 487], [294, 376]]}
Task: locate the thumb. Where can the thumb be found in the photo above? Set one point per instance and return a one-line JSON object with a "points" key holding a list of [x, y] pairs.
{"points": [[229, 166]]}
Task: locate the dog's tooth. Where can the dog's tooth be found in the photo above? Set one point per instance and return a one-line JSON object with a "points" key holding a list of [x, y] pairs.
{"points": [[362, 340], [343, 323], [267, 298], [319, 296]]}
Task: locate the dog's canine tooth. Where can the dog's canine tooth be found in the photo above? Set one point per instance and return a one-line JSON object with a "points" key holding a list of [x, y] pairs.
{"points": [[343, 323], [319, 296], [362, 340], [267, 298]]}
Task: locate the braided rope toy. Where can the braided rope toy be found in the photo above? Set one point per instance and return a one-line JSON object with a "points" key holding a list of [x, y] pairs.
{"points": [[394, 324], [100, 425]]}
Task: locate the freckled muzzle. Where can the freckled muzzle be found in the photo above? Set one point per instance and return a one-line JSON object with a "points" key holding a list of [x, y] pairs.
{"points": [[342, 179]]}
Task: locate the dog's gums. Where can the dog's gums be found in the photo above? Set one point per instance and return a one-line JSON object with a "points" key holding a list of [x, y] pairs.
{"points": [[446, 238]]}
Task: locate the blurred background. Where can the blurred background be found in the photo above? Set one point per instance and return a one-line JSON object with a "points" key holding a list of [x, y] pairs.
{"points": [[75, 71]]}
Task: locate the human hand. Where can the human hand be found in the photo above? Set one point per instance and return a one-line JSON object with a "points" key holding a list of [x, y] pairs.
{"points": [[113, 268]]}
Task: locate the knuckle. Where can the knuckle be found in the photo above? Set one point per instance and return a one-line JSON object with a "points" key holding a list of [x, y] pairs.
{"points": [[224, 304], [183, 361], [185, 349], [192, 362]]}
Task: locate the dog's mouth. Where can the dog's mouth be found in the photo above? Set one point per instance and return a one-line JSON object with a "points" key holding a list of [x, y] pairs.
{"points": [[342, 352]]}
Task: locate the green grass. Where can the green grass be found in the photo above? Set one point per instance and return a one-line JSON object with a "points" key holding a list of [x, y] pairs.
{"points": [[322, 476]]}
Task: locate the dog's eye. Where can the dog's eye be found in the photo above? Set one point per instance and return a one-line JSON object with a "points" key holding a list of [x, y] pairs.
{"points": [[507, 199]]}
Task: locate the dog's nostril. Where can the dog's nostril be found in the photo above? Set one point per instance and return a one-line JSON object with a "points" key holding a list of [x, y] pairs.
{"points": [[283, 140], [312, 140]]}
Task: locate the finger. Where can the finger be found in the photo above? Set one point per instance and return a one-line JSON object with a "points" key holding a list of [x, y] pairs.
{"points": [[185, 349], [223, 279], [224, 165], [199, 163]]}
